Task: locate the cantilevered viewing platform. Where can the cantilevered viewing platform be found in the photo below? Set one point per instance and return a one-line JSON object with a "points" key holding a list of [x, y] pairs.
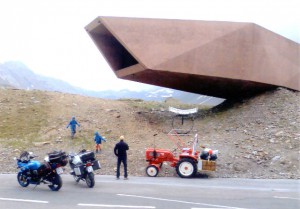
{"points": [[221, 59]]}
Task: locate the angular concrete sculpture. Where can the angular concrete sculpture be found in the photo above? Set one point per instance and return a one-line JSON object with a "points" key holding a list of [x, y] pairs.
{"points": [[221, 59]]}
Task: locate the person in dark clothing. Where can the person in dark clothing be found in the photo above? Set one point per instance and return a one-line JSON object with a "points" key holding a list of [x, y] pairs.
{"points": [[120, 151]]}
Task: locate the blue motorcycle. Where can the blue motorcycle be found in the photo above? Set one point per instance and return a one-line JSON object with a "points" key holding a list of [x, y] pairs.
{"points": [[35, 172]]}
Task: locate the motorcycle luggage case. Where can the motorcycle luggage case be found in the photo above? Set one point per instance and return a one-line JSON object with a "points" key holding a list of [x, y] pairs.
{"points": [[58, 157], [79, 170], [96, 165], [86, 156]]}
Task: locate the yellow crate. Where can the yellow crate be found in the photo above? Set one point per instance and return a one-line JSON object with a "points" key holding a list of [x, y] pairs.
{"points": [[208, 165]]}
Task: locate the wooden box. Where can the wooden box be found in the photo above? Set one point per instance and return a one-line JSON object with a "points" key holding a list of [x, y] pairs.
{"points": [[207, 165]]}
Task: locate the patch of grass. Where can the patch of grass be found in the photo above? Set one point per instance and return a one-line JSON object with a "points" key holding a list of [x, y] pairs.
{"points": [[21, 121], [130, 100]]}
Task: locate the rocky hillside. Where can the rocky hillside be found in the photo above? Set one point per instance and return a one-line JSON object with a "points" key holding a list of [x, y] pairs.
{"points": [[256, 138]]}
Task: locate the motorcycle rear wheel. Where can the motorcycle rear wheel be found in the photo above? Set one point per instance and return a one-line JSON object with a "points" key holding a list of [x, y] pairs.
{"points": [[56, 183], [90, 180], [22, 180]]}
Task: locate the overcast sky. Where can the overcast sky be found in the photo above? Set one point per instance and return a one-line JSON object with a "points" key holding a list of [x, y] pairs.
{"points": [[48, 36]]}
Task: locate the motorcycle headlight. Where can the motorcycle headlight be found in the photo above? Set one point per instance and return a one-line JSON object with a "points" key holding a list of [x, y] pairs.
{"points": [[46, 159]]}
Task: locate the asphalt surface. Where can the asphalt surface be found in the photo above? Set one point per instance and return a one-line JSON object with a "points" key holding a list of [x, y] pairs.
{"points": [[157, 192]]}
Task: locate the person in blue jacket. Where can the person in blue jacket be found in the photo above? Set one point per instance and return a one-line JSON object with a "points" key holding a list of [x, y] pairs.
{"points": [[98, 140], [73, 124]]}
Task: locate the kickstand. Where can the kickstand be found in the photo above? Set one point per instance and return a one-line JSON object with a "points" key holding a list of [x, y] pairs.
{"points": [[34, 187]]}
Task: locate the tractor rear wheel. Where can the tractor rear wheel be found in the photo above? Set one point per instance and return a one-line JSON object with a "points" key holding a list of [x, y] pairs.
{"points": [[186, 168], [152, 171]]}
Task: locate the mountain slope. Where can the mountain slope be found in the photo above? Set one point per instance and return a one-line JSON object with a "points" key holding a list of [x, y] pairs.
{"points": [[257, 138], [18, 75]]}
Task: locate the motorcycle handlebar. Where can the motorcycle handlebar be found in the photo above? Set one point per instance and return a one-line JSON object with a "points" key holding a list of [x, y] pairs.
{"points": [[33, 156]]}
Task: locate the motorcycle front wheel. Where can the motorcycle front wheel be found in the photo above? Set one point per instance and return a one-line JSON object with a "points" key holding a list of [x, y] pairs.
{"points": [[90, 180], [22, 179], [76, 178], [56, 183]]}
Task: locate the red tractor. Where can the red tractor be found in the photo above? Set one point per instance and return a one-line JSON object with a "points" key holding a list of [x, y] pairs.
{"points": [[188, 163]]}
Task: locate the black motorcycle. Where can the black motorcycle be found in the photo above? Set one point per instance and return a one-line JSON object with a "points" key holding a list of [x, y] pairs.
{"points": [[48, 172], [83, 164]]}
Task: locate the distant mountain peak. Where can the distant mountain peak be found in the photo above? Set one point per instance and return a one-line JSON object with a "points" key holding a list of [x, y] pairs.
{"points": [[18, 75]]}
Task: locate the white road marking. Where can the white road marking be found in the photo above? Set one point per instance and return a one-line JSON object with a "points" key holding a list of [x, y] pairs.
{"points": [[23, 200], [205, 101], [115, 206], [204, 187], [179, 201], [292, 198]]}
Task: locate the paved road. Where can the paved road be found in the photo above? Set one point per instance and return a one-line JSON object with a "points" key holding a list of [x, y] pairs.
{"points": [[157, 193]]}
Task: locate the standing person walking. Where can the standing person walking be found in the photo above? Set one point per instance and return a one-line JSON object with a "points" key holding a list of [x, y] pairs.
{"points": [[73, 124], [120, 151], [98, 140]]}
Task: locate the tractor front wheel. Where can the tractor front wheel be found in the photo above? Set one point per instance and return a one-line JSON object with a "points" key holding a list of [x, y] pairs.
{"points": [[152, 171], [186, 168]]}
